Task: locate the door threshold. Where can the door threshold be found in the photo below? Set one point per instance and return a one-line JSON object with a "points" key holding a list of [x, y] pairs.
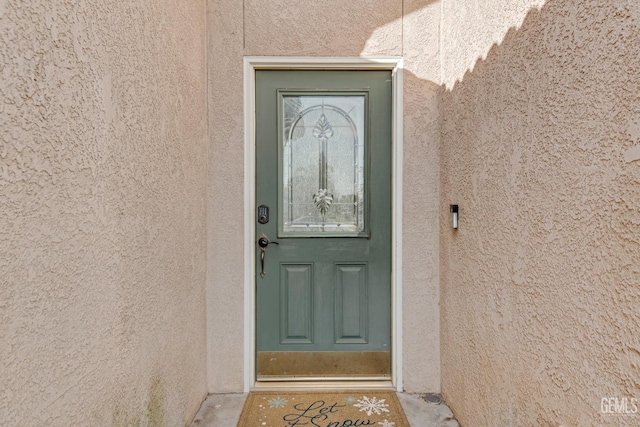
{"points": [[321, 385]]}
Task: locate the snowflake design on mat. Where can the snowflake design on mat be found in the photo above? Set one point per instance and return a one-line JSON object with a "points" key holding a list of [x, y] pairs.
{"points": [[371, 405], [386, 423], [350, 399], [277, 402]]}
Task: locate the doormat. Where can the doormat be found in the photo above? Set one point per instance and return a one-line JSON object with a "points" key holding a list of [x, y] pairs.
{"points": [[323, 409]]}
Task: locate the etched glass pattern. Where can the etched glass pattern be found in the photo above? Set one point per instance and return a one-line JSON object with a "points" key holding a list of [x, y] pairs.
{"points": [[323, 164]]}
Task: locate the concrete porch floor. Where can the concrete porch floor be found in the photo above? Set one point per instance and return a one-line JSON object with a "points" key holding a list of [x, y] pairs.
{"points": [[223, 410]]}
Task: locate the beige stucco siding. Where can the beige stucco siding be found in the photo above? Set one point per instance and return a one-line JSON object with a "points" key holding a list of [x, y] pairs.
{"points": [[421, 193], [102, 212], [326, 28], [225, 298], [540, 313], [122, 171]]}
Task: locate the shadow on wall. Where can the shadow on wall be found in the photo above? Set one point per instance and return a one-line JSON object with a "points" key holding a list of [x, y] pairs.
{"points": [[539, 289], [471, 29]]}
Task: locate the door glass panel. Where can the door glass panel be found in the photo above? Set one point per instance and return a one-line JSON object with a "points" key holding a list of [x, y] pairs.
{"points": [[323, 164]]}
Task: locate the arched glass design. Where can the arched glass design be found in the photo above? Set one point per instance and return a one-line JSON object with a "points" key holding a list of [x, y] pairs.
{"points": [[323, 164]]}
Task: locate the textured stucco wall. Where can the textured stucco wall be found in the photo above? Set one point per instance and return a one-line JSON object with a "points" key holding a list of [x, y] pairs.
{"points": [[471, 28], [420, 269], [322, 28], [102, 212], [326, 28], [540, 285], [225, 279]]}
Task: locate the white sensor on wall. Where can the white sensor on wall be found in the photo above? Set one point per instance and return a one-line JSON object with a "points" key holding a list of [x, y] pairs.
{"points": [[454, 216]]}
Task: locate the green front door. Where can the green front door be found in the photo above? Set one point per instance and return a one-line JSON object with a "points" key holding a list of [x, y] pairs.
{"points": [[323, 193]]}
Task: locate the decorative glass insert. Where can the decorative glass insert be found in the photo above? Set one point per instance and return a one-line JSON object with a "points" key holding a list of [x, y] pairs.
{"points": [[323, 164]]}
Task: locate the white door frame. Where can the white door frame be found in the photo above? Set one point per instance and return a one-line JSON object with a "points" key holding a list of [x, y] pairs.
{"points": [[251, 64]]}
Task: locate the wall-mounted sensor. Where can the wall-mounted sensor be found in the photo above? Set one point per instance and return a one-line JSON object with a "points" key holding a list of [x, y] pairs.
{"points": [[454, 215]]}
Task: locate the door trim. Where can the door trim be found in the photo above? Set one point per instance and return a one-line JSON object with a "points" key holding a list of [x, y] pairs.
{"points": [[251, 64]]}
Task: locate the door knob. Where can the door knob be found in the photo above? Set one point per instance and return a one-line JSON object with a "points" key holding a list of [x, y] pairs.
{"points": [[263, 242]]}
